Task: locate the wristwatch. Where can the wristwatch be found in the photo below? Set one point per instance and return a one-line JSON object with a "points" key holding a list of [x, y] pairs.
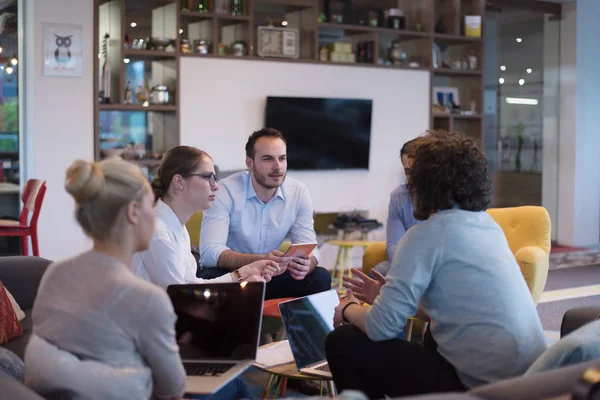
{"points": [[237, 276]]}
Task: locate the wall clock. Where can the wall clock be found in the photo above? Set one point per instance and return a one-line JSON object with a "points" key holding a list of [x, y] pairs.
{"points": [[278, 42]]}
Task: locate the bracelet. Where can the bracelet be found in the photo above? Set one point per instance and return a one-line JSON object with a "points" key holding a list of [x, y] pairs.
{"points": [[237, 276], [344, 309]]}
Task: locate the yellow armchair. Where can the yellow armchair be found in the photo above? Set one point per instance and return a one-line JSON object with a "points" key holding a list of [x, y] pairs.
{"points": [[527, 230], [193, 226]]}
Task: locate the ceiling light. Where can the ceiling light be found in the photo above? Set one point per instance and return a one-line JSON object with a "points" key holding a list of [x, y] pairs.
{"points": [[14, 60], [501, 80], [284, 23], [522, 100], [1, 48], [126, 60], [180, 31], [528, 70], [133, 24], [503, 68], [9, 70], [519, 40], [521, 82]]}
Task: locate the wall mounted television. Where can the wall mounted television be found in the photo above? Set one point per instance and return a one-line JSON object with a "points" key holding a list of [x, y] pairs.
{"points": [[322, 133]]}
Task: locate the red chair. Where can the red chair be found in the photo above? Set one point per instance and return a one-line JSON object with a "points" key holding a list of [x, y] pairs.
{"points": [[32, 197]]}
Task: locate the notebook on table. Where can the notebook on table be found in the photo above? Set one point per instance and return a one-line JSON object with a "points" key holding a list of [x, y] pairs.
{"points": [[217, 330]]}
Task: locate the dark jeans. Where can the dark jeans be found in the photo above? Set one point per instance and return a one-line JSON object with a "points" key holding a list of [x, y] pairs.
{"points": [[388, 368], [236, 389], [284, 285]]}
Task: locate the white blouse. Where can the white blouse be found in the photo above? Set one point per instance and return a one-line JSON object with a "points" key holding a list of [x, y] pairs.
{"points": [[169, 258]]}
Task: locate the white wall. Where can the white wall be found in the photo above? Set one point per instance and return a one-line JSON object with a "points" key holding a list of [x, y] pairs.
{"points": [[567, 125], [58, 121], [222, 102], [579, 172], [550, 128]]}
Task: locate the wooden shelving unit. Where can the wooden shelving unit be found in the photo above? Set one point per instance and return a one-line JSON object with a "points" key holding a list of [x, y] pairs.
{"points": [[127, 20]]}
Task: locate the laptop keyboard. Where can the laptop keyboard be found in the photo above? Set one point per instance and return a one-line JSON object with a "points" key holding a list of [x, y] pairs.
{"points": [[206, 369], [324, 367]]}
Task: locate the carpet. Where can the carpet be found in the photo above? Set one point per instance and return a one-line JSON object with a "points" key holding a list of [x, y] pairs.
{"points": [[572, 259]]}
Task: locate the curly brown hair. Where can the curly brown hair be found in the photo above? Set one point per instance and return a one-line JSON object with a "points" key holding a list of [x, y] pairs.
{"points": [[449, 170]]}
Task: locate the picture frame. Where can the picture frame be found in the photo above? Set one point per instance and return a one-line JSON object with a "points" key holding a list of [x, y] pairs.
{"points": [[63, 50]]}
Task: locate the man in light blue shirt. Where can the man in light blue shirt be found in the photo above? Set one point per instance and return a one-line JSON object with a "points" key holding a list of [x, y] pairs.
{"points": [[400, 213], [252, 215]]}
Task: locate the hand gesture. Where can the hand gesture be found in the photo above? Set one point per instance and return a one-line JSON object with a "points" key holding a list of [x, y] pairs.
{"points": [[338, 318], [365, 288], [262, 268], [299, 268], [278, 257]]}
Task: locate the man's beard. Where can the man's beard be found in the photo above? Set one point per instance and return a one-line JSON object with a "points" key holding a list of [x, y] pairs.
{"points": [[261, 179]]}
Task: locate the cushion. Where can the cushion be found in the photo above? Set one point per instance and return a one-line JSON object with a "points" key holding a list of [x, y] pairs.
{"points": [[19, 313], [10, 327], [19, 344], [10, 364], [580, 345]]}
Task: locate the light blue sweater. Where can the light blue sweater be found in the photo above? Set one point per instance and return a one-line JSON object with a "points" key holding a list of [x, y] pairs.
{"points": [[459, 265]]}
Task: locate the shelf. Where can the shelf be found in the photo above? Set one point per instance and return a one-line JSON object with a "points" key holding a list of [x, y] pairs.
{"points": [[308, 61], [459, 116], [233, 18], [150, 162], [149, 54], [197, 15], [455, 39], [459, 72], [441, 115], [295, 3], [374, 29], [137, 107]]}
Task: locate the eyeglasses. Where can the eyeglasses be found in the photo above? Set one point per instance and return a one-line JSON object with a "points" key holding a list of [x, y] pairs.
{"points": [[209, 176]]}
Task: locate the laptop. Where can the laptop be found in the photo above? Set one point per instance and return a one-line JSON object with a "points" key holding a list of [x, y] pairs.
{"points": [[307, 321], [217, 331]]}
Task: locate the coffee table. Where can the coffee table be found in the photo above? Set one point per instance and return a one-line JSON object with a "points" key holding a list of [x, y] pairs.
{"points": [[279, 375]]}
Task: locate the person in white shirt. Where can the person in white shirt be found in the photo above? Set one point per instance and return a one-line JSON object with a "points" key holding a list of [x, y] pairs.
{"points": [[185, 183]]}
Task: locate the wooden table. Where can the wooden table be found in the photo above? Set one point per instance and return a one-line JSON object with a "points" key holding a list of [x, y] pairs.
{"points": [[280, 373], [343, 262]]}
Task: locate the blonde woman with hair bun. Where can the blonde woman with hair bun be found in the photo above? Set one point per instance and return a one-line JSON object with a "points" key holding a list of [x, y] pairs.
{"points": [[99, 331]]}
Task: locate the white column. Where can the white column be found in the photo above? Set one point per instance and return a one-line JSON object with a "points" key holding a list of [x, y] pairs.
{"points": [[579, 143], [59, 121]]}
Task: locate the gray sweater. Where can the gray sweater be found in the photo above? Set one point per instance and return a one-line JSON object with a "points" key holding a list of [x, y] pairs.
{"points": [[94, 308], [459, 266]]}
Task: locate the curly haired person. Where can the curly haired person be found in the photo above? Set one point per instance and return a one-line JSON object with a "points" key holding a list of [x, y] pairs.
{"points": [[457, 266]]}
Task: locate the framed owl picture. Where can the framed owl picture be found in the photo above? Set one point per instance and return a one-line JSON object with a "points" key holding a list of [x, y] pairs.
{"points": [[63, 48]]}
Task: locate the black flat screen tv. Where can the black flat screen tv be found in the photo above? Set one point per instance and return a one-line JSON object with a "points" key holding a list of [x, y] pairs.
{"points": [[322, 133]]}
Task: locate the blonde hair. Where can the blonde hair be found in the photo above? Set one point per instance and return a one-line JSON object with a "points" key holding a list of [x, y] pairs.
{"points": [[101, 191]]}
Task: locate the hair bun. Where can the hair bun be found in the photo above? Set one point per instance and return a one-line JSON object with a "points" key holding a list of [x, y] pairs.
{"points": [[158, 188], [84, 180]]}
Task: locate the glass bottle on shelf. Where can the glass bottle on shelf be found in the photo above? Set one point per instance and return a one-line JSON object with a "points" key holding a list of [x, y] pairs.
{"points": [[203, 6], [237, 7], [186, 5], [106, 73]]}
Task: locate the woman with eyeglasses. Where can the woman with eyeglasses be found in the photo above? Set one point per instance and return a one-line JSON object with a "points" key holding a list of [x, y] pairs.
{"points": [[185, 183]]}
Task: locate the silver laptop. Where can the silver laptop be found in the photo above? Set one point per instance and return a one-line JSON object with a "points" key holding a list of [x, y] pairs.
{"points": [[217, 330], [308, 320]]}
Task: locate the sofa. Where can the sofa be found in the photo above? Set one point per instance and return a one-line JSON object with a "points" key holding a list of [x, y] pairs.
{"points": [[21, 275]]}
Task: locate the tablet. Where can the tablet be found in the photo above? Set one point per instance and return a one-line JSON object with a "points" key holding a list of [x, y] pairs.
{"points": [[301, 250]]}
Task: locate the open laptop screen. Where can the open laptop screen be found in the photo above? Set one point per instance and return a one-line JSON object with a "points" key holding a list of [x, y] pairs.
{"points": [[308, 321], [218, 321]]}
